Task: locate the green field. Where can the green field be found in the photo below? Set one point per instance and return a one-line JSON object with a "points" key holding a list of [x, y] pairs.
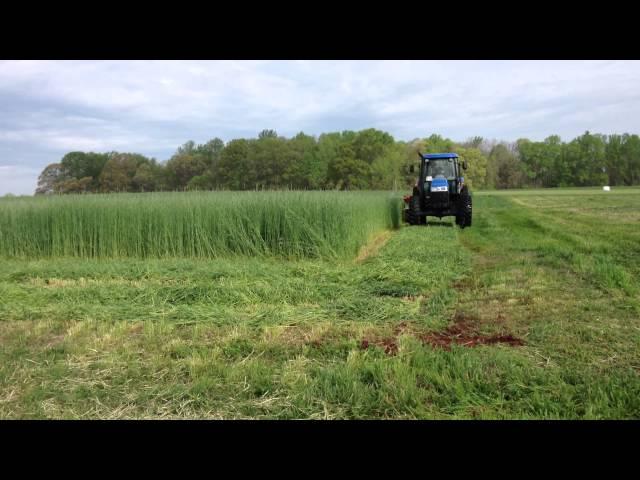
{"points": [[125, 312]]}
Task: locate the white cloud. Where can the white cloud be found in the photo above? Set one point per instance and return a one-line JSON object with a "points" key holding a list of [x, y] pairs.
{"points": [[17, 180], [50, 107]]}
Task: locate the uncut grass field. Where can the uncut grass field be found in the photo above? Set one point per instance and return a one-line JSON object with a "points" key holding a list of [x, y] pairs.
{"points": [[320, 305]]}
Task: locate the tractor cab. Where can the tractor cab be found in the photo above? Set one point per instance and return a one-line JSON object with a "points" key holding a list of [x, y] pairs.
{"points": [[441, 173], [440, 190]]}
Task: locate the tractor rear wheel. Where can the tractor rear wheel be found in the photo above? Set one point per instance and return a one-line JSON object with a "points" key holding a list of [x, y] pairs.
{"points": [[464, 214], [413, 212]]}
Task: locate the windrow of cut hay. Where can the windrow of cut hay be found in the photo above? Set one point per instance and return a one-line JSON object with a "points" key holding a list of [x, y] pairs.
{"points": [[195, 224]]}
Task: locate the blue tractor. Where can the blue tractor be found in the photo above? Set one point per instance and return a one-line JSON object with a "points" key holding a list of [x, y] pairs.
{"points": [[440, 191]]}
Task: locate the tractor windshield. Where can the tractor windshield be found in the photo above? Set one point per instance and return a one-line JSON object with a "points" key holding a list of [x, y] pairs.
{"points": [[441, 168]]}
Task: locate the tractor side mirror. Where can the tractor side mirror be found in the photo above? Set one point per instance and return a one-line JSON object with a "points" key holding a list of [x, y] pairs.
{"points": [[465, 165], [412, 169]]}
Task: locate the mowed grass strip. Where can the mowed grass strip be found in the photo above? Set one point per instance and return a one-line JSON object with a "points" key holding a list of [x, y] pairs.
{"points": [[226, 338], [195, 224]]}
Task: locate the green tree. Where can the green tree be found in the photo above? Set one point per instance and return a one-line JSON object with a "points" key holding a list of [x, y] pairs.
{"points": [[328, 147], [387, 169], [369, 158], [550, 164], [476, 173], [187, 148], [76, 185], [473, 142], [50, 179], [304, 170], [630, 159], [181, 168], [346, 172], [267, 134], [505, 171], [370, 144], [119, 172], [271, 159], [210, 151], [80, 165], [201, 182], [532, 156], [437, 144], [234, 170], [588, 160], [614, 159], [148, 177]]}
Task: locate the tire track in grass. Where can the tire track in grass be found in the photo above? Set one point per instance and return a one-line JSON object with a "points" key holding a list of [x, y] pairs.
{"points": [[463, 329], [373, 247], [535, 275]]}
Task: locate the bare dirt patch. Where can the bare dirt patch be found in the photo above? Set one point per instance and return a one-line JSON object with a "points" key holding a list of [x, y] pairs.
{"points": [[53, 341], [460, 335], [462, 332], [388, 344], [137, 329]]}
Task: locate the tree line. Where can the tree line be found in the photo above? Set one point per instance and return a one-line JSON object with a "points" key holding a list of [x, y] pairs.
{"points": [[348, 160]]}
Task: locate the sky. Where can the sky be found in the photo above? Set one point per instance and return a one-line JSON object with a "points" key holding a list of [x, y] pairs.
{"points": [[49, 108]]}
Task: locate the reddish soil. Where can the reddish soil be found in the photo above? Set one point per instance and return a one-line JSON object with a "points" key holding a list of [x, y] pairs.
{"points": [[401, 328], [462, 332], [462, 284], [390, 346], [460, 336]]}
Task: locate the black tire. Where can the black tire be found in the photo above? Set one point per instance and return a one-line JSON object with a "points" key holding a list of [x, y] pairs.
{"points": [[412, 215], [465, 209]]}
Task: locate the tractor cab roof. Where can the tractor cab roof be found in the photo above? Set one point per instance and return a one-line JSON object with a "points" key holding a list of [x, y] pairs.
{"points": [[431, 156]]}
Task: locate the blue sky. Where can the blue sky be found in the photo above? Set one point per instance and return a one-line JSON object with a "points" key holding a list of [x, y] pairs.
{"points": [[48, 108]]}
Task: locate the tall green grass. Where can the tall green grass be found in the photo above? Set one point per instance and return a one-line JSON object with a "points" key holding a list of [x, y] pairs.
{"points": [[195, 224]]}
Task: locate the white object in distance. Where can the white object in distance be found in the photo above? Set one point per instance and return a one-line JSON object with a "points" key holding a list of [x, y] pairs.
{"points": [[606, 188]]}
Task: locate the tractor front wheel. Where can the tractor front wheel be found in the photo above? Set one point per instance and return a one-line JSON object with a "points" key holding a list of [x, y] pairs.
{"points": [[413, 212]]}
